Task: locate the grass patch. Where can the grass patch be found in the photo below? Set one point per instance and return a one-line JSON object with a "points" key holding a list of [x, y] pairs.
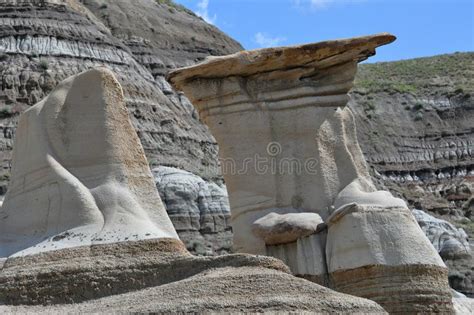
{"points": [[43, 65], [468, 227], [418, 106], [449, 74]]}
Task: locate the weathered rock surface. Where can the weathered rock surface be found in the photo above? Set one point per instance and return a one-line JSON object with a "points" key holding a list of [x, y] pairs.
{"points": [[449, 241], [44, 42], [292, 97], [305, 256], [161, 276], [453, 246], [423, 154], [364, 235], [382, 254], [285, 99], [198, 208], [62, 195], [462, 304], [276, 229]]}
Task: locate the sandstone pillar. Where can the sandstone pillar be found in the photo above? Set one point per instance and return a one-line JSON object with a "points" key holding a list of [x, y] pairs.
{"points": [[266, 108], [286, 106]]}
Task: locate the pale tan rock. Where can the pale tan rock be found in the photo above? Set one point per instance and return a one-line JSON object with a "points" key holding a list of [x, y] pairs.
{"points": [[79, 174], [380, 252], [363, 235], [305, 257], [276, 229], [160, 276], [280, 105], [287, 105]]}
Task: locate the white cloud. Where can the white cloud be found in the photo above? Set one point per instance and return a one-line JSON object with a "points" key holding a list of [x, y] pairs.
{"points": [[264, 40], [317, 4], [322, 4], [202, 11]]}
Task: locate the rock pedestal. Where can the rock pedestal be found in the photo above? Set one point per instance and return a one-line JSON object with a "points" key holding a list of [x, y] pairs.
{"points": [[79, 173], [267, 109], [279, 118], [305, 257], [297, 239]]}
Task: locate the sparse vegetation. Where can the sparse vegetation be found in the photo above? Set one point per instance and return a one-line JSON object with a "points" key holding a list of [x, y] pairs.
{"points": [[419, 116], [370, 106], [418, 106], [6, 112], [43, 65], [450, 74]]}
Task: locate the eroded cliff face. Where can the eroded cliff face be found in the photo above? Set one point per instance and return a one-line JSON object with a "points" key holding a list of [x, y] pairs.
{"points": [[43, 42], [415, 121]]}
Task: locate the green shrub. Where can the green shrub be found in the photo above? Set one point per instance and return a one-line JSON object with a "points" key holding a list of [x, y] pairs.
{"points": [[418, 106], [43, 65], [6, 112], [418, 116]]}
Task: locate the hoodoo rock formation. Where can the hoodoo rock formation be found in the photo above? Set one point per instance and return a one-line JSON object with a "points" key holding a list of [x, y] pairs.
{"points": [[422, 154], [285, 105], [83, 221], [287, 100]]}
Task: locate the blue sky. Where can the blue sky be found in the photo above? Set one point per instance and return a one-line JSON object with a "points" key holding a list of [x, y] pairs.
{"points": [[423, 27]]}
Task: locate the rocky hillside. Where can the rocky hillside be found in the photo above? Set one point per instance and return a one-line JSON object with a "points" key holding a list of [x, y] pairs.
{"points": [[416, 128], [415, 122], [43, 42]]}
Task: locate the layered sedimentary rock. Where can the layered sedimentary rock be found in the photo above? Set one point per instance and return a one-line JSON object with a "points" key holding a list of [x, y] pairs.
{"points": [[266, 108], [305, 256], [161, 276], [453, 246], [199, 210], [83, 220], [297, 239], [79, 173], [287, 105], [449, 241], [380, 252], [44, 42], [424, 154]]}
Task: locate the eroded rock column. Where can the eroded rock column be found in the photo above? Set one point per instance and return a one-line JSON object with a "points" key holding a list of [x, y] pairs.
{"points": [[265, 108], [280, 119]]}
